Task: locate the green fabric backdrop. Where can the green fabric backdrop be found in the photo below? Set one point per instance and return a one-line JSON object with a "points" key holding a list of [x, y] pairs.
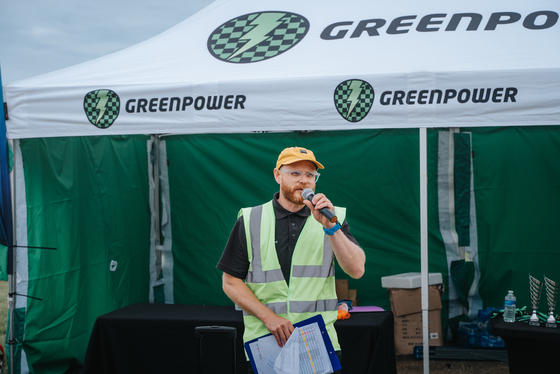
{"points": [[517, 189], [89, 198], [375, 174]]}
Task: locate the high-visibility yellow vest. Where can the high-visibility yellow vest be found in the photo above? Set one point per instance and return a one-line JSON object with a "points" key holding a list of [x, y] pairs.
{"points": [[311, 290]]}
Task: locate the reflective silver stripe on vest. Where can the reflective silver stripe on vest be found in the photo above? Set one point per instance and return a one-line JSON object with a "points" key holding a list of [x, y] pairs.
{"points": [[318, 271], [257, 275], [313, 306], [278, 308]]}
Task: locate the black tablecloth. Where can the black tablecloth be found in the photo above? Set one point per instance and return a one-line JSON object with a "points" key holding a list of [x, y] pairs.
{"points": [[530, 349], [159, 338]]}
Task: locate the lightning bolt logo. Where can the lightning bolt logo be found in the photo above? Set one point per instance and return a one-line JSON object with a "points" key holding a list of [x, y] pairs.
{"points": [[97, 103], [264, 24], [355, 91], [103, 96], [257, 36], [352, 94]]}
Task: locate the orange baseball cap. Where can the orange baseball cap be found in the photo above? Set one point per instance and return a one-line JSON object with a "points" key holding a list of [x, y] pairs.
{"points": [[295, 154]]}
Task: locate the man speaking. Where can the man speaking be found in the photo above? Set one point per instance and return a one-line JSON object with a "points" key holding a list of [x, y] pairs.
{"points": [[278, 262]]}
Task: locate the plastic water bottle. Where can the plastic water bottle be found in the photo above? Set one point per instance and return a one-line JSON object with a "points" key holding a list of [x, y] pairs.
{"points": [[509, 307]]}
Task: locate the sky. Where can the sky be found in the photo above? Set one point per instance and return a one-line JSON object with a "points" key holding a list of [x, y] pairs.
{"points": [[41, 36]]}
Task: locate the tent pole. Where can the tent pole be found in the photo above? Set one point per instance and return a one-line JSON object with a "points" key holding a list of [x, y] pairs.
{"points": [[158, 249], [9, 250], [11, 303], [12, 287], [157, 207], [424, 246]]}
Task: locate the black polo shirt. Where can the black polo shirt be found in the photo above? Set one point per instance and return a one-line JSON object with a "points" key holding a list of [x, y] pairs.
{"points": [[235, 260]]}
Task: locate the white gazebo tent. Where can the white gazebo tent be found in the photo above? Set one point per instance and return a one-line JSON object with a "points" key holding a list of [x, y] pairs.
{"points": [[261, 66]]}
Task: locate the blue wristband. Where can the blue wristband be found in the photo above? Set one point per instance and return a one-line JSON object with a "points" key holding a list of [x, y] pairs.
{"points": [[332, 230]]}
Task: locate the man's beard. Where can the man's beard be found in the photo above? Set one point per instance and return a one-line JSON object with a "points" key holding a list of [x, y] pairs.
{"points": [[293, 195]]}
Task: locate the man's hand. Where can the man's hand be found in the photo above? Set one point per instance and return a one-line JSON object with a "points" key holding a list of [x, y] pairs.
{"points": [[349, 256], [240, 294], [280, 327], [320, 201]]}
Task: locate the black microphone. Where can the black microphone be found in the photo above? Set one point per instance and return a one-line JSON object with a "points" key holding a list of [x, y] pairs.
{"points": [[308, 194]]}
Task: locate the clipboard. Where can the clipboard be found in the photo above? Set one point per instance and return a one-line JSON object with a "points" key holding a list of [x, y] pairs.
{"points": [[328, 344]]}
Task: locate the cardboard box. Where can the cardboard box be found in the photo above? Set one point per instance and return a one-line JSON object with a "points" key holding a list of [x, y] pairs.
{"points": [[406, 305], [342, 289], [343, 293], [353, 295]]}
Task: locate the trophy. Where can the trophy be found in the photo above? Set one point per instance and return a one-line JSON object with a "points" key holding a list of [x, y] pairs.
{"points": [[536, 287], [551, 295]]}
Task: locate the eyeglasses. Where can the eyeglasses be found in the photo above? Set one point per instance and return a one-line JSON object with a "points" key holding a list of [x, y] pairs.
{"points": [[296, 175]]}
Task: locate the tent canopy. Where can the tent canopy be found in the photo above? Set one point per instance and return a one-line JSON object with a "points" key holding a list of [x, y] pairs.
{"points": [[244, 66], [240, 66]]}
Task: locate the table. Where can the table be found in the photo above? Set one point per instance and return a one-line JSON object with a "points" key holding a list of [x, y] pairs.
{"points": [[530, 349], [159, 338]]}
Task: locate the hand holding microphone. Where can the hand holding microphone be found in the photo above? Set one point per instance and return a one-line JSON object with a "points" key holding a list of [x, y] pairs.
{"points": [[308, 194]]}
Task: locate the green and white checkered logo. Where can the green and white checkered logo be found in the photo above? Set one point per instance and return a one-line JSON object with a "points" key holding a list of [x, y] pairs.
{"points": [[257, 36], [102, 107], [353, 99]]}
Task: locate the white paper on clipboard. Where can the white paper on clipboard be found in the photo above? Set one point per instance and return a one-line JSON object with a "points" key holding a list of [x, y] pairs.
{"points": [[303, 353]]}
